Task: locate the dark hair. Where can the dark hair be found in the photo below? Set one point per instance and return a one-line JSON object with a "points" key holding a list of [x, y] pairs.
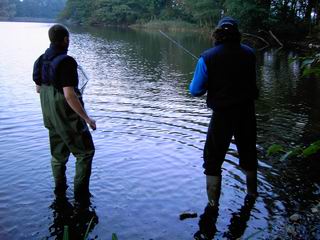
{"points": [[226, 33], [57, 33]]}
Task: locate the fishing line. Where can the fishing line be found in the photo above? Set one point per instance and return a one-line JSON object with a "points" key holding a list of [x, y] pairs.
{"points": [[179, 45]]}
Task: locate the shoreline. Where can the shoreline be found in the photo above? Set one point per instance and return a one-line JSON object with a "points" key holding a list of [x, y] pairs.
{"points": [[170, 25], [308, 43], [30, 19], [179, 26]]}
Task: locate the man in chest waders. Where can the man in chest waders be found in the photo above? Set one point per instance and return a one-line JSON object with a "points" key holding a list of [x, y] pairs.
{"points": [[227, 73], [56, 77]]}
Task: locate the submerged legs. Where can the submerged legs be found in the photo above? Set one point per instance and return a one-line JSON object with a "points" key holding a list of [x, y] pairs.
{"points": [[252, 185]]}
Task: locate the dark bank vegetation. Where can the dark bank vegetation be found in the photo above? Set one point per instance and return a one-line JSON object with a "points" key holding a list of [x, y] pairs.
{"points": [[310, 65], [286, 19], [10, 9], [299, 151], [273, 20], [310, 68]]}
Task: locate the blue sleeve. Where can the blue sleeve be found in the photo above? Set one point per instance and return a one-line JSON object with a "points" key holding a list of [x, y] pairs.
{"points": [[198, 86]]}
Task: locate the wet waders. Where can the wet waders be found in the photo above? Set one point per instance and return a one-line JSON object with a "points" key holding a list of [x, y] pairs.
{"points": [[68, 133]]}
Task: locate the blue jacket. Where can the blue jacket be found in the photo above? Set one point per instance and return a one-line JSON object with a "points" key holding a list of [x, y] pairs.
{"points": [[227, 72]]}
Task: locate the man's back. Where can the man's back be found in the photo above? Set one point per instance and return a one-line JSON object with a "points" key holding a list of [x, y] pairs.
{"points": [[231, 75]]}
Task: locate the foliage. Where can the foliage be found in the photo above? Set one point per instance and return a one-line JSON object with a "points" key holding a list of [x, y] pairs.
{"points": [[67, 237], [7, 9], [311, 149], [168, 25], [303, 152], [118, 11], [311, 66], [77, 10], [204, 12], [249, 12], [114, 236], [38, 8], [287, 17], [274, 149], [66, 233], [88, 228], [31, 8]]}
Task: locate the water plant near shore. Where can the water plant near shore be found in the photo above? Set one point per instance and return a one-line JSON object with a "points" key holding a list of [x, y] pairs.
{"points": [[298, 151], [66, 232], [310, 66]]}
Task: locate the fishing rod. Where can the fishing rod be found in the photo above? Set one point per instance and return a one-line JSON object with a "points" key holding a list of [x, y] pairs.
{"points": [[85, 78], [179, 45]]}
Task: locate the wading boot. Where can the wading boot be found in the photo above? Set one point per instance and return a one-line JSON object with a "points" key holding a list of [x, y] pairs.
{"points": [[207, 224], [251, 178], [213, 190]]}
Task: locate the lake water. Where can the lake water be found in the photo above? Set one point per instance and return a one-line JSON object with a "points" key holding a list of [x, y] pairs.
{"points": [[149, 139]]}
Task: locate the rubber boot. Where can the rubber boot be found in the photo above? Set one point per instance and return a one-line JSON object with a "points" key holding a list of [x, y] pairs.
{"points": [[213, 190], [251, 178]]}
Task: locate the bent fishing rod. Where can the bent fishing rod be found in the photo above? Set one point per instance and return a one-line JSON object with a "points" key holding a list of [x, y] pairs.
{"points": [[179, 45]]}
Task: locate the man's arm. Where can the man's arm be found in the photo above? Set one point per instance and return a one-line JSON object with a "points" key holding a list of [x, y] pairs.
{"points": [[36, 75], [198, 86], [74, 103]]}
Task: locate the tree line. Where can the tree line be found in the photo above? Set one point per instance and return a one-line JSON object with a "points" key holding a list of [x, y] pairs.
{"points": [[282, 16], [286, 18], [31, 8]]}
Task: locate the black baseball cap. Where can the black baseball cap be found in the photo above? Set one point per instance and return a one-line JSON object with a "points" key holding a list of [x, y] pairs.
{"points": [[228, 21]]}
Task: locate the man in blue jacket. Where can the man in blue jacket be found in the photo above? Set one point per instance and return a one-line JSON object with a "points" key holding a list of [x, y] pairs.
{"points": [[227, 73], [56, 78]]}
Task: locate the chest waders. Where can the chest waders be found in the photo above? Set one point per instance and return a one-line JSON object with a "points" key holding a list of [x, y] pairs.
{"points": [[68, 133]]}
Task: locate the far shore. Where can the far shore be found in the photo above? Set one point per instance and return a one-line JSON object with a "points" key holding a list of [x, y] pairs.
{"points": [[30, 19], [307, 44]]}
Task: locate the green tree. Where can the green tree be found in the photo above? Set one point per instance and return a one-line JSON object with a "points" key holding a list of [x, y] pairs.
{"points": [[203, 12], [311, 16], [119, 11], [7, 9], [39, 8], [251, 14], [77, 10], [286, 18]]}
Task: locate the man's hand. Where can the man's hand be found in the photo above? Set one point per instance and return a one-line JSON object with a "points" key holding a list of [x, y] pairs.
{"points": [[92, 123], [75, 104]]}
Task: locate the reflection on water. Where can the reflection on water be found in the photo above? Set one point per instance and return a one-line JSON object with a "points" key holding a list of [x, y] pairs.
{"points": [[79, 221], [147, 169], [207, 224], [238, 221], [236, 228]]}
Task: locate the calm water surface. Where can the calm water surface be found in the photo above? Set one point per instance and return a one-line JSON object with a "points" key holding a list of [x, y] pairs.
{"points": [[148, 164]]}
